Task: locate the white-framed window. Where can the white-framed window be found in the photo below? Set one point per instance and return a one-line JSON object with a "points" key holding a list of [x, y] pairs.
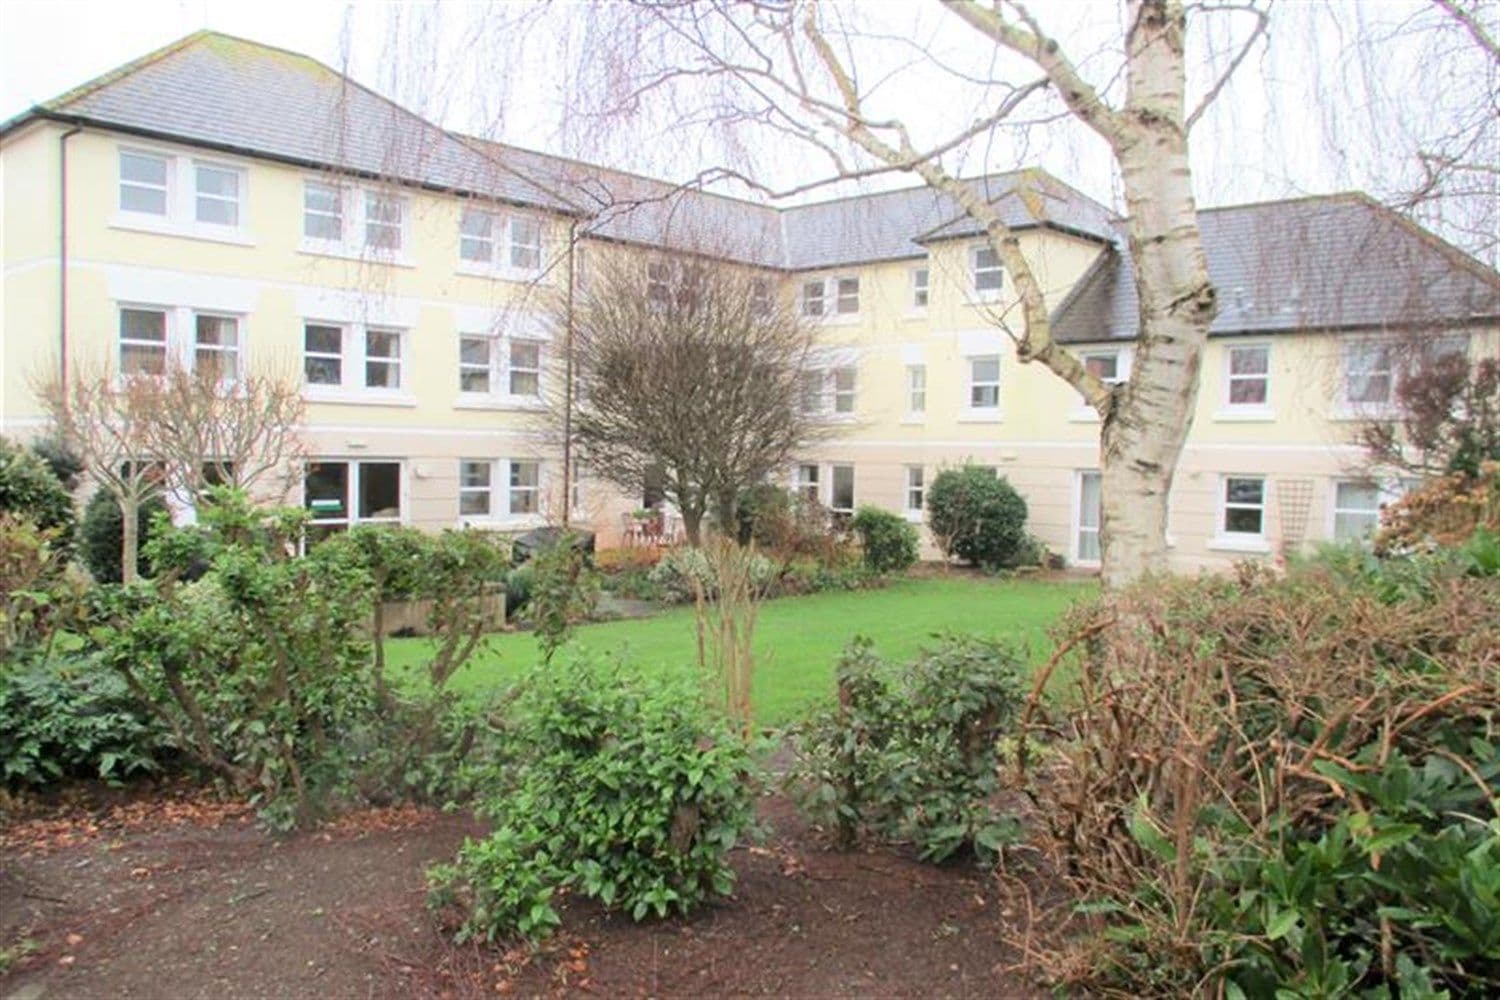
{"points": [[525, 243], [846, 301], [576, 493], [1369, 373], [352, 356], [206, 342], [829, 390], [760, 297], [808, 482], [322, 354], [476, 362], [382, 358], [322, 212], [525, 486], [143, 183], [986, 271], [659, 283], [383, 222], [496, 489], [217, 191], [916, 389], [174, 193], [525, 368], [1242, 508], [813, 300], [916, 490], [475, 487], [216, 346], [1247, 376], [476, 236], [841, 489], [1108, 366], [984, 382], [1356, 508], [341, 492], [919, 289], [1090, 513], [143, 341]]}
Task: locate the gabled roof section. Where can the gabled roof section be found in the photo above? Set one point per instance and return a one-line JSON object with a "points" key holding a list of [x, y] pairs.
{"points": [[240, 96], [1327, 262], [631, 208]]}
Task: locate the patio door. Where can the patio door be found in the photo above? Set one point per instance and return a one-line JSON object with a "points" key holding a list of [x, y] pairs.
{"points": [[1086, 538]]}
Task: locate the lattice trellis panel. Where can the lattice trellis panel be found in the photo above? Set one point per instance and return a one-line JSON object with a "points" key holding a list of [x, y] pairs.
{"points": [[1294, 504]]}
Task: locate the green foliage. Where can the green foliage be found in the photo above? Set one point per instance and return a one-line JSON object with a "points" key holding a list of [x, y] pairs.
{"points": [[976, 515], [101, 534], [911, 752], [1308, 769], [620, 786], [65, 463], [685, 572], [29, 489], [69, 718], [269, 668], [889, 542], [564, 590], [519, 583]]}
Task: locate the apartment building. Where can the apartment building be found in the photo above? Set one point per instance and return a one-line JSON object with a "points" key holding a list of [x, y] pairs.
{"points": [[231, 204]]}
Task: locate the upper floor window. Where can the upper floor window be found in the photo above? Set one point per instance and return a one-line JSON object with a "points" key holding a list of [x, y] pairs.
{"points": [[919, 278], [984, 382], [476, 236], [659, 283], [525, 243], [143, 183], [496, 240], [1369, 372], [812, 298], [143, 341], [322, 212], [352, 356], [491, 366], [760, 297], [184, 193], [218, 195], [848, 296], [829, 390], [475, 361], [525, 368], [147, 341], [383, 221], [987, 272], [1249, 375], [916, 389], [1107, 366]]}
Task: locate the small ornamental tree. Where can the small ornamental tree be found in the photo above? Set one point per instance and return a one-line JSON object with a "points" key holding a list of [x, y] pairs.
{"points": [[1450, 417], [977, 516]]}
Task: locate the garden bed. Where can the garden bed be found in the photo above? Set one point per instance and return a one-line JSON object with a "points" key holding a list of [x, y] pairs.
{"points": [[211, 906]]}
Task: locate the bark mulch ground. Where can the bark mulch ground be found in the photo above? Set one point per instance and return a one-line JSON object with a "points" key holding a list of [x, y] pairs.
{"points": [[180, 896]]}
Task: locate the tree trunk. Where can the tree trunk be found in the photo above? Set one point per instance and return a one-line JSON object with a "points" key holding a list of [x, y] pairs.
{"points": [[1146, 426], [692, 525], [130, 542]]}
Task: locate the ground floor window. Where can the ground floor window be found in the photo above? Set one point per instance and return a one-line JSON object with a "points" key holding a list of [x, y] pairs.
{"points": [[1090, 491], [841, 496], [807, 484], [479, 492], [1243, 508], [341, 493], [916, 492]]}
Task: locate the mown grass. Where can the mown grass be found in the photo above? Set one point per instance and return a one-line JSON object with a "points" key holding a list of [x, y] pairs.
{"points": [[798, 639]]}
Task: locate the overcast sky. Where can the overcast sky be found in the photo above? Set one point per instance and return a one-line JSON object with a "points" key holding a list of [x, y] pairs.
{"points": [[1299, 118]]}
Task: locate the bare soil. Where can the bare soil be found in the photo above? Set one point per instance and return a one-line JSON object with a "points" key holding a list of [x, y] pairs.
{"points": [[187, 898]]}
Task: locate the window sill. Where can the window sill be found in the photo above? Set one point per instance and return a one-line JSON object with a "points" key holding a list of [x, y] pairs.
{"points": [[1364, 411], [185, 230], [474, 269], [987, 416], [339, 251], [498, 403], [518, 522], [839, 319], [915, 314], [1248, 543], [1083, 415], [913, 420], [359, 397], [1244, 415], [912, 516]]}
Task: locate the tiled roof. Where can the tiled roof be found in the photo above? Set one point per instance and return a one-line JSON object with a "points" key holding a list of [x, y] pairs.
{"points": [[1340, 261], [231, 94], [1315, 262]]}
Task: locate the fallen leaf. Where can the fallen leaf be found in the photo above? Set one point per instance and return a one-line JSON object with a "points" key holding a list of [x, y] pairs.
{"points": [[74, 940], [66, 960]]}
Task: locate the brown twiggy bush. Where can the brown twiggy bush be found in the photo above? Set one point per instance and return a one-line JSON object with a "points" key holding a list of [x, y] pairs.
{"points": [[1201, 713]]}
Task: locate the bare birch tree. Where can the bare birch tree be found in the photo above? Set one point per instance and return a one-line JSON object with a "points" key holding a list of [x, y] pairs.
{"points": [[692, 369], [105, 420], [794, 68]]}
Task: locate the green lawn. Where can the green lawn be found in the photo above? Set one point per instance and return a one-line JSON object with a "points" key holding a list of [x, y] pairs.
{"points": [[799, 638]]}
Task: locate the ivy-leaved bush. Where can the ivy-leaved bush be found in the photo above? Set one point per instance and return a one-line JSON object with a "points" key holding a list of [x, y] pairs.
{"points": [[911, 752], [620, 785], [888, 541]]}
